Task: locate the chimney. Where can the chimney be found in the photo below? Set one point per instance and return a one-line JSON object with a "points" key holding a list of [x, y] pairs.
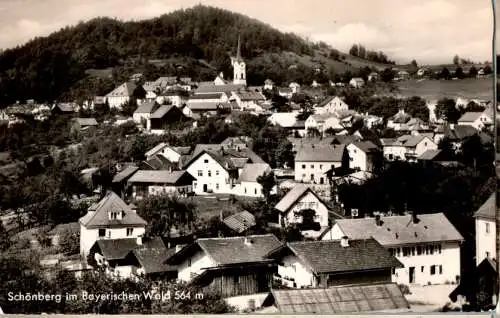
{"points": [[378, 221], [344, 241], [139, 240], [248, 241], [414, 217]]}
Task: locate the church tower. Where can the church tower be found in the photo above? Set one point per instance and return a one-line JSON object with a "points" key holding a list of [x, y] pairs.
{"points": [[239, 66]]}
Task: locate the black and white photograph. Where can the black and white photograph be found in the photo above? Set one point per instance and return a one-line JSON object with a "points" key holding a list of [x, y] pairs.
{"points": [[273, 157]]}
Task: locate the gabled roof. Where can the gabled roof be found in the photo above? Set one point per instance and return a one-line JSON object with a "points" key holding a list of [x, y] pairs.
{"points": [[381, 297], [321, 118], [65, 107], [206, 96], [156, 149], [399, 230], [86, 121], [320, 153], [330, 257], [459, 132], [251, 171], [430, 154], [162, 111], [400, 118], [250, 96], [111, 203], [125, 89], [488, 209], [231, 250], [240, 222], [125, 173], [157, 162], [366, 145], [119, 248], [160, 177], [146, 108], [294, 195], [329, 99], [470, 117], [227, 158], [200, 106], [153, 259]]}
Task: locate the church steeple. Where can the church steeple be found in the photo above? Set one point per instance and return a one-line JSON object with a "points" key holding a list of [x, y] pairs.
{"points": [[238, 52], [239, 66]]}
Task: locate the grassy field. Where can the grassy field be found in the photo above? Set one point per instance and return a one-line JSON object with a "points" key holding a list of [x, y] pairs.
{"points": [[436, 89]]}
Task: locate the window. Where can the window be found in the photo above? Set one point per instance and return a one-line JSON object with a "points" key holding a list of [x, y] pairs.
{"points": [[312, 166], [439, 248], [321, 166], [433, 269], [440, 269], [189, 262], [413, 251], [195, 184], [200, 173], [209, 173], [130, 231], [216, 172], [422, 268], [216, 186], [393, 271], [245, 190], [102, 232], [255, 191], [205, 161], [303, 175], [303, 166], [487, 228], [419, 250]]}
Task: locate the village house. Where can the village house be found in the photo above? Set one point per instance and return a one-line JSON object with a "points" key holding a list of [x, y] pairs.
{"points": [[300, 198], [295, 87], [148, 261], [163, 117], [478, 120], [286, 92], [110, 218], [177, 97], [289, 121], [402, 76], [218, 97], [373, 77], [143, 113], [237, 142], [313, 162], [330, 105], [248, 100], [146, 183], [64, 109], [486, 230], [428, 245], [421, 72], [357, 82], [120, 95], [119, 182], [268, 85], [158, 162], [363, 155], [372, 121], [229, 266], [195, 110], [407, 147], [80, 124], [116, 256], [152, 91], [333, 263], [398, 120], [323, 122], [217, 170], [173, 154], [247, 184], [456, 134]]}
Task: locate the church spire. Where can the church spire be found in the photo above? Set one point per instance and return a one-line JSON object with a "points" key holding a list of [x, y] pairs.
{"points": [[238, 52]]}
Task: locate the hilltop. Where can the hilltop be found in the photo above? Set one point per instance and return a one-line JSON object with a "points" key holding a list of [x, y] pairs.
{"points": [[194, 42]]}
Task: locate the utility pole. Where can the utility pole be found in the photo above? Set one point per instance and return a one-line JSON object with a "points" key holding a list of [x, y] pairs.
{"points": [[495, 106]]}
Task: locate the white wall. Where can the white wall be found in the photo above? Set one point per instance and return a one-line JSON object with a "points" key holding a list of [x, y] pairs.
{"points": [[309, 201], [162, 189], [485, 239], [198, 261], [358, 158], [250, 189], [138, 117], [89, 236], [424, 145], [396, 152], [117, 101], [303, 171], [293, 268], [218, 175], [335, 233], [170, 154]]}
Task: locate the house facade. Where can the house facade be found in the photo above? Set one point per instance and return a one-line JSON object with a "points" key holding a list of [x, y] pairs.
{"points": [[146, 183], [331, 105], [478, 120], [120, 95], [362, 155], [110, 218], [299, 198], [247, 183], [144, 111], [407, 147], [213, 174], [163, 117], [313, 162], [357, 82], [428, 245], [486, 230]]}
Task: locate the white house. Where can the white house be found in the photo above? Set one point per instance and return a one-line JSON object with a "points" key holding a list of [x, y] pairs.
{"points": [[143, 113], [428, 245], [295, 87], [299, 198], [478, 120], [398, 120], [268, 85], [357, 82], [173, 154], [247, 184], [313, 264], [331, 105], [362, 155], [146, 183], [110, 218], [248, 100], [407, 147], [486, 230], [218, 97], [285, 92], [312, 162], [371, 121], [120, 95], [323, 122], [373, 76]]}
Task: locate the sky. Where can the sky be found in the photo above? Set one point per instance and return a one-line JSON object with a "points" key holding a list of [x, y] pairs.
{"points": [[430, 31]]}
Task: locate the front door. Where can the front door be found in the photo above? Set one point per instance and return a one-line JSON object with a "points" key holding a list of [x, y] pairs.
{"points": [[412, 275], [205, 188]]}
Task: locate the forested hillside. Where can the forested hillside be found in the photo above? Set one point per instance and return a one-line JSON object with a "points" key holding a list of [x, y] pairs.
{"points": [[196, 42]]}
